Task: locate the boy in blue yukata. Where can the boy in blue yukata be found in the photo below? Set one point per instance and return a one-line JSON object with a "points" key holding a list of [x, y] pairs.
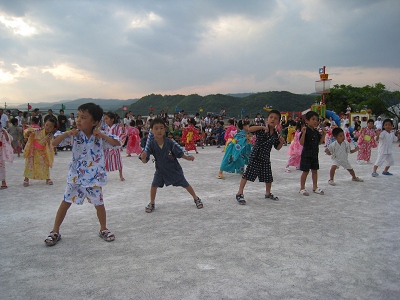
{"points": [[168, 169], [86, 174]]}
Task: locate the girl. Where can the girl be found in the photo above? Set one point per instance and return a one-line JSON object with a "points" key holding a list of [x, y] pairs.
{"points": [[295, 149], [16, 132], [366, 141], [133, 144], [6, 154], [190, 135], [237, 152], [113, 155], [39, 153], [230, 131]]}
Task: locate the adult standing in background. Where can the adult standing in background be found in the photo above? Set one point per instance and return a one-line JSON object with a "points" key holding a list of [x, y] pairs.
{"points": [[3, 119], [62, 121], [378, 123]]}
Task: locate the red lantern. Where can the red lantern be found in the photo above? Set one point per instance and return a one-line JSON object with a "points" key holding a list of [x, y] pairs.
{"points": [[29, 106], [152, 108], [124, 108]]}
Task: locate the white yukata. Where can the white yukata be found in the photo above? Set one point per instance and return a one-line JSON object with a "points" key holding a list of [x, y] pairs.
{"points": [[87, 173], [340, 154], [386, 139]]}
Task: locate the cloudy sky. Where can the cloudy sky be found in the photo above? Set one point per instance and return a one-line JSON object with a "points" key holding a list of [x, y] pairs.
{"points": [[57, 50]]}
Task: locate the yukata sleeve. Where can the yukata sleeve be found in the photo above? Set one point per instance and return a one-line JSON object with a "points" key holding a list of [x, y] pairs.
{"points": [[107, 145], [177, 151]]}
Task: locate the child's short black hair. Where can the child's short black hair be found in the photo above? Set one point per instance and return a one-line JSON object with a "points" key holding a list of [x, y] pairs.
{"points": [[157, 121], [387, 121], [370, 121], [14, 121], [311, 114], [276, 112], [92, 109], [192, 121], [299, 124], [112, 115], [336, 131], [242, 123], [231, 121]]}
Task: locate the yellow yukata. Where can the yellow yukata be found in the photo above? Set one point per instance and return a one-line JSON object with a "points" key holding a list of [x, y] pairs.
{"points": [[38, 153]]}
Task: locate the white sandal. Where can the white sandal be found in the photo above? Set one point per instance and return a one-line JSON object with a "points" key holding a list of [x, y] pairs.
{"points": [[319, 191], [304, 192]]}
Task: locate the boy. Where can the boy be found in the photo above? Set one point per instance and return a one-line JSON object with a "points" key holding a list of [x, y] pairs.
{"points": [[310, 139], [259, 161], [385, 138], [86, 174], [168, 169], [339, 151]]}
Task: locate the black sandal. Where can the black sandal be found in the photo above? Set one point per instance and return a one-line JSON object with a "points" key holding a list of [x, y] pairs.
{"points": [[198, 203], [272, 197], [240, 199], [150, 207], [52, 238]]}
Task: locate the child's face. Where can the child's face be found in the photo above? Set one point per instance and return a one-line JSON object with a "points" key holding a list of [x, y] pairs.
{"points": [[388, 126], [273, 120], [85, 122], [340, 137], [370, 125], [158, 130], [108, 120], [313, 122], [48, 127]]}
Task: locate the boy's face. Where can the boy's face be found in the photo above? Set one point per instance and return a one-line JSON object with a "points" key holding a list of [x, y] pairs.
{"points": [[85, 122], [388, 126], [313, 122], [370, 125], [340, 137], [158, 130], [273, 120]]}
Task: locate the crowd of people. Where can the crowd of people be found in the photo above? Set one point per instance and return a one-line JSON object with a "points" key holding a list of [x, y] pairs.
{"points": [[97, 140]]}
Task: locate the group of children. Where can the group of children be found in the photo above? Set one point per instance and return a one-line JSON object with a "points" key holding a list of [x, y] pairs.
{"points": [[92, 148]]}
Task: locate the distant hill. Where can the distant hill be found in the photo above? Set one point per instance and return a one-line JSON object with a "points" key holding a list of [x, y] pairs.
{"points": [[72, 105], [250, 105]]}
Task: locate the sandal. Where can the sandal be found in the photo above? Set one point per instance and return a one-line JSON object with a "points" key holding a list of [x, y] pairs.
{"points": [[240, 199], [52, 238], [304, 192], [26, 182], [198, 203], [358, 179], [318, 191], [3, 187], [49, 182], [220, 176], [107, 235], [332, 182], [272, 197], [150, 207]]}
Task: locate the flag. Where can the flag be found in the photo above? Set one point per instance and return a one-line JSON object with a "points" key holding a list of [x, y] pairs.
{"points": [[62, 106], [321, 70]]}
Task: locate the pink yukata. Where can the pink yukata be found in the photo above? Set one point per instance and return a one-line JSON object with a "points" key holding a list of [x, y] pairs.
{"points": [[133, 145], [365, 142], [295, 150], [6, 153], [113, 155]]}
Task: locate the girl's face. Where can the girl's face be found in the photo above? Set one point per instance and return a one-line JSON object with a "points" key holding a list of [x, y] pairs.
{"points": [[108, 120], [370, 125], [388, 126], [48, 127]]}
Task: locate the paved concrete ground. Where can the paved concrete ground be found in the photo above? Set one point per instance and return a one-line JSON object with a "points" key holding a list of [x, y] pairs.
{"points": [[343, 245]]}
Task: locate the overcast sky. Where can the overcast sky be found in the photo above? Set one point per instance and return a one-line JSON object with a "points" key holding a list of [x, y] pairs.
{"points": [[57, 50]]}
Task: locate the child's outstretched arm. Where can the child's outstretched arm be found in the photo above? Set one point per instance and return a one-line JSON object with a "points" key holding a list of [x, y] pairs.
{"points": [[188, 157], [110, 140], [57, 140], [303, 135], [281, 142]]}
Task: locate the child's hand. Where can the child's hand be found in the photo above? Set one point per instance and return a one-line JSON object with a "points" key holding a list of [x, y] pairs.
{"points": [[281, 140], [357, 148], [191, 158], [143, 157], [73, 132], [327, 151]]}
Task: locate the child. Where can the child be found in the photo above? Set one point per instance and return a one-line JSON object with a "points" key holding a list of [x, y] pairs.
{"points": [[16, 132], [295, 149], [190, 135], [39, 153], [133, 144], [168, 169], [6, 154], [259, 162], [366, 141], [219, 133], [385, 137], [230, 131], [237, 152], [113, 155], [86, 174], [339, 151], [310, 139]]}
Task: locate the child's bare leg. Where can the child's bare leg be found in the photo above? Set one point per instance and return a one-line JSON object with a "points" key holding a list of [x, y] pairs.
{"points": [[242, 184], [102, 216], [375, 168], [120, 175], [61, 213], [303, 178], [352, 173], [268, 188], [386, 169], [332, 172], [153, 193], [191, 192], [314, 176]]}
